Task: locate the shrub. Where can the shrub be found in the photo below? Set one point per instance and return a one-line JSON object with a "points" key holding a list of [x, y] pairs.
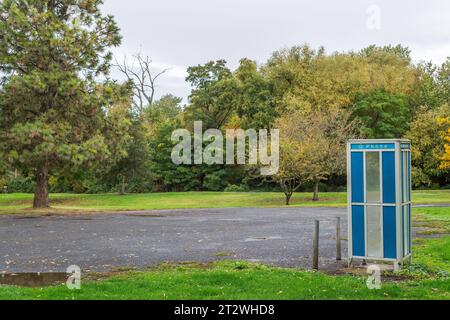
{"points": [[20, 184], [236, 188]]}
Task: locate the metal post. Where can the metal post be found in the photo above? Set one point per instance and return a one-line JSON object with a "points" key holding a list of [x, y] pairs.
{"points": [[315, 261], [338, 239]]}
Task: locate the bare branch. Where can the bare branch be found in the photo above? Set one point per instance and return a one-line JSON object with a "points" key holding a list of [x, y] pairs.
{"points": [[139, 73]]}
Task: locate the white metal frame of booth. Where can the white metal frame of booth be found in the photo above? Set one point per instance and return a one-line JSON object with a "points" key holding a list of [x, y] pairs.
{"points": [[400, 149]]}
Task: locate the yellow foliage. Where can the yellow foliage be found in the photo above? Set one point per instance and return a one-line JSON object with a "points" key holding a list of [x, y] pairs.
{"points": [[312, 144], [305, 79], [444, 123]]}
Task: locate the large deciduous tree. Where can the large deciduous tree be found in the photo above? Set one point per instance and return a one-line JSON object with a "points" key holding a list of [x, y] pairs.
{"points": [[214, 93], [290, 175], [305, 78], [254, 103], [312, 147], [54, 111]]}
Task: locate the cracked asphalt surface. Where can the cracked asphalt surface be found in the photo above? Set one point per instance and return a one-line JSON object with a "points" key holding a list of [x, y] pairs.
{"points": [[276, 236]]}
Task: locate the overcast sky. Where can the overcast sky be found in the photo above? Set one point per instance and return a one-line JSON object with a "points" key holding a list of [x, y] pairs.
{"points": [[178, 34]]}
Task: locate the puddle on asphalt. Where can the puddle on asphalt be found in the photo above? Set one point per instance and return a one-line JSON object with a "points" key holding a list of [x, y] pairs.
{"points": [[33, 279]]}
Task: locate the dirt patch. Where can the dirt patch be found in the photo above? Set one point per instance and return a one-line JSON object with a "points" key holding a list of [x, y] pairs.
{"points": [[431, 227], [183, 264], [34, 280], [30, 213]]}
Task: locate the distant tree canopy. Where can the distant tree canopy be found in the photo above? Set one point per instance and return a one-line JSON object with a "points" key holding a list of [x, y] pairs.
{"points": [[382, 115], [382, 53], [254, 103], [166, 108], [213, 94], [309, 78]]}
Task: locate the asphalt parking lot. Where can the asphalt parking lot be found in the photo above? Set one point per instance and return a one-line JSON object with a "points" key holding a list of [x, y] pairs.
{"points": [[276, 236]]}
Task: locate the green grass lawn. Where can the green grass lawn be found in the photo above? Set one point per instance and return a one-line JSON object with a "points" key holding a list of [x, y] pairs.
{"points": [[427, 278], [16, 203], [433, 220]]}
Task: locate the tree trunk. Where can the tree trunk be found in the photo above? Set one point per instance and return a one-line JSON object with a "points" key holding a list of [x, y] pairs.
{"points": [[288, 198], [316, 191], [41, 191], [122, 186]]}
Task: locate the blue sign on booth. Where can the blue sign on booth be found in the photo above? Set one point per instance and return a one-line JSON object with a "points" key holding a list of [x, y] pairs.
{"points": [[379, 200]]}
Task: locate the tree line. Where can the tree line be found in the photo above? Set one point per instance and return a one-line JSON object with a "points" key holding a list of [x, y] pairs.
{"points": [[67, 126]]}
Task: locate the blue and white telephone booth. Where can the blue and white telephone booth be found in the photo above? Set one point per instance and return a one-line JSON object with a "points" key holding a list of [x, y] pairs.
{"points": [[379, 200]]}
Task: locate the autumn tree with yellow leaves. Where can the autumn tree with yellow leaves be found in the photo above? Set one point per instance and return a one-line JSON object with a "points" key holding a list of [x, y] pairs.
{"points": [[429, 134], [444, 124], [312, 147]]}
